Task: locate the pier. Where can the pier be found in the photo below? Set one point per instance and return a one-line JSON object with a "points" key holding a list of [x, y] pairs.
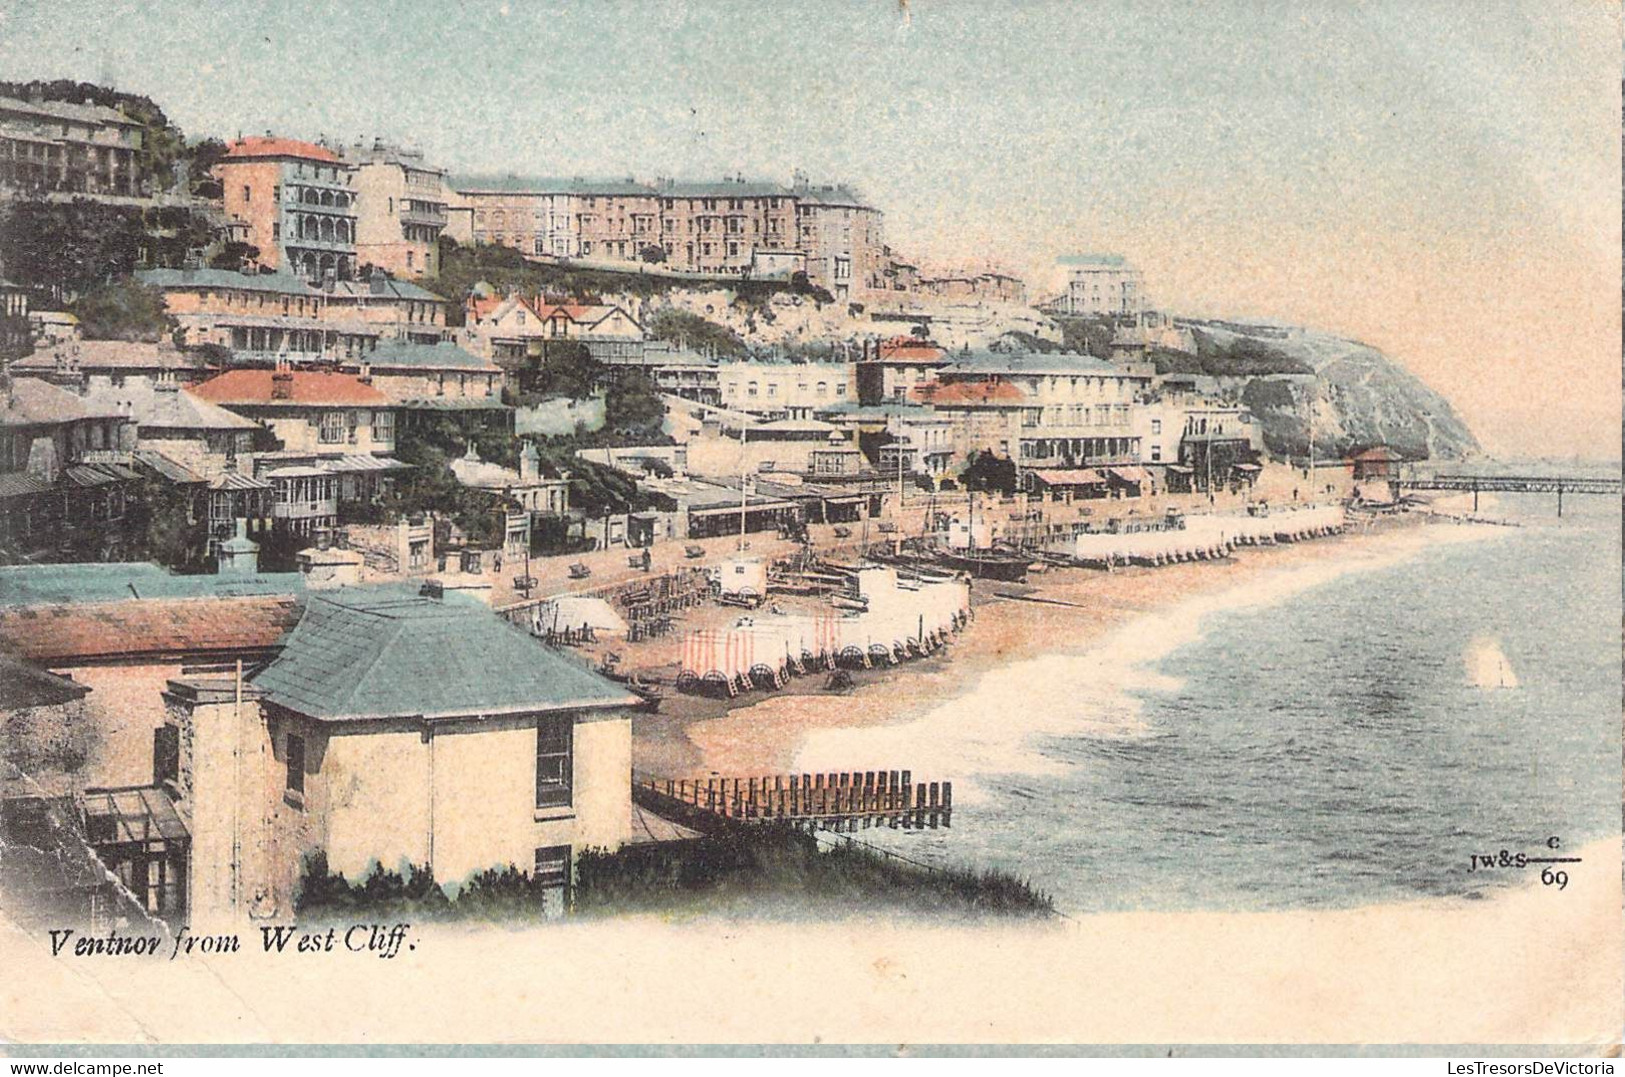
{"points": [[840, 801], [1518, 484]]}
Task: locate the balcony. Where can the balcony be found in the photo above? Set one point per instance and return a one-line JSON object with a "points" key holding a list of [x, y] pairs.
{"points": [[306, 510], [428, 214]]}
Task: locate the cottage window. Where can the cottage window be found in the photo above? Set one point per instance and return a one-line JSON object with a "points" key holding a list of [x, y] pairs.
{"points": [[383, 426], [554, 737], [332, 432], [296, 763]]}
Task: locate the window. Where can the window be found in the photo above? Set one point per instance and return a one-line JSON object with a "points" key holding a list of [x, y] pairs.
{"points": [[247, 192], [332, 432], [1156, 426], [553, 763], [296, 763]]}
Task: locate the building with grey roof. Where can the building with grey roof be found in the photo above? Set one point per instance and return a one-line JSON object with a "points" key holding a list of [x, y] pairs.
{"points": [[399, 727]]}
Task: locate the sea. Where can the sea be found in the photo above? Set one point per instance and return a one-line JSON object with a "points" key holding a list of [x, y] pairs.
{"points": [[1332, 733]]}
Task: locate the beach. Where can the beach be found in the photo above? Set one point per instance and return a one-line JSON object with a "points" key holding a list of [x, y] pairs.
{"points": [[763, 733]]}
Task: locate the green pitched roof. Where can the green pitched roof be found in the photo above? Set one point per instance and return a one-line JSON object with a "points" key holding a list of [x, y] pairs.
{"points": [[385, 652], [180, 279], [431, 356], [52, 584]]}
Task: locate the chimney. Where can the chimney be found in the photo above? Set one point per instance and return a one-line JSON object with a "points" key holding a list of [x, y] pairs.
{"points": [[530, 463], [239, 555], [282, 385], [376, 282], [365, 375]]}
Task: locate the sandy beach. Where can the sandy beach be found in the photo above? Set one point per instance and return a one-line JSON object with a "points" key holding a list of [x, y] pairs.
{"points": [[761, 733]]}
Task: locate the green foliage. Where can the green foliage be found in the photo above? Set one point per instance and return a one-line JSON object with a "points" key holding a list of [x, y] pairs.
{"points": [[569, 370], [633, 406], [1173, 361], [232, 255], [653, 253], [767, 869], [1016, 340], [801, 284], [431, 487], [67, 247], [700, 334], [1087, 336], [987, 472], [595, 489], [64, 248], [507, 270], [164, 529], [123, 310], [1244, 357], [327, 895], [204, 156]]}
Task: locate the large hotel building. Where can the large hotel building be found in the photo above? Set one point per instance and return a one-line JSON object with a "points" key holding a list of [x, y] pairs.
{"points": [[735, 228]]}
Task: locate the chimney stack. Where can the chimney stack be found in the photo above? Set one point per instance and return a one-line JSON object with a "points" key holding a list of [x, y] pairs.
{"points": [[239, 555], [282, 384]]}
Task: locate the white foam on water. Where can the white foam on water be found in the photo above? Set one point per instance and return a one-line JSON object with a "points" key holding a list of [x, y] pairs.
{"points": [[996, 726]]}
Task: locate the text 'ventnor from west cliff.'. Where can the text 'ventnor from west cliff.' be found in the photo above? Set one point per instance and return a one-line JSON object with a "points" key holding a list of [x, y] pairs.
{"points": [[379, 940]]}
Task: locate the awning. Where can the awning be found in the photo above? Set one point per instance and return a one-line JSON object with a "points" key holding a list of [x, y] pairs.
{"points": [[236, 480], [356, 462], [1247, 467], [733, 510], [299, 473], [1182, 469], [1135, 475]]}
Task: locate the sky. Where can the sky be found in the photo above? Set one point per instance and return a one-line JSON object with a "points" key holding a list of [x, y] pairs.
{"points": [[1440, 180]]}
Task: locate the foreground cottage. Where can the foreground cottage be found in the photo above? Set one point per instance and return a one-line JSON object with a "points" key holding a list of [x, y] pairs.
{"points": [[396, 728]]}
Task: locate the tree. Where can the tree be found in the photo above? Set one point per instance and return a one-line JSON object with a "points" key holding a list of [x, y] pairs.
{"points": [[568, 369], [234, 255], [653, 253], [632, 404], [65, 248], [204, 156], [988, 472], [123, 310], [681, 326]]}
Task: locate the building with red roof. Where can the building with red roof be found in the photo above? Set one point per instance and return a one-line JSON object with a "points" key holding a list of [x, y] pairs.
{"points": [[298, 202], [334, 433]]}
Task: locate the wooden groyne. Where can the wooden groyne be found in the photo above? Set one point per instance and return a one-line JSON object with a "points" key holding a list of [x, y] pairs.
{"points": [[839, 801]]}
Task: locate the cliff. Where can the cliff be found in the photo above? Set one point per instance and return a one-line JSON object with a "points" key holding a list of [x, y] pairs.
{"points": [[1361, 396]]}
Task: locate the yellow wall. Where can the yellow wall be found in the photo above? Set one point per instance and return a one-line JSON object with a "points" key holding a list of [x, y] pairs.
{"points": [[472, 785]]}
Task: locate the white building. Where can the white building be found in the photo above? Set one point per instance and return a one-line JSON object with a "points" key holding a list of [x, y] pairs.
{"points": [[1103, 285]]}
